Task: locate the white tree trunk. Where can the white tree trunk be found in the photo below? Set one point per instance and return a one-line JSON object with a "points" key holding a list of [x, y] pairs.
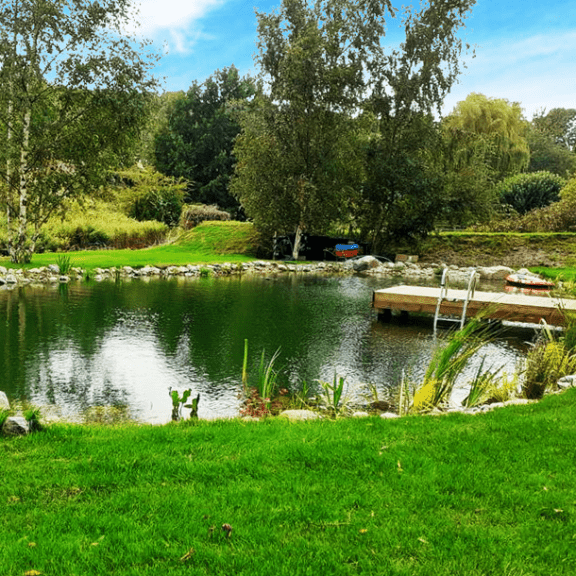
{"points": [[297, 242], [9, 174], [20, 251]]}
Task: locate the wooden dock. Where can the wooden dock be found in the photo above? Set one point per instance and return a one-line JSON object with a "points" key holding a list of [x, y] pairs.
{"points": [[496, 305]]}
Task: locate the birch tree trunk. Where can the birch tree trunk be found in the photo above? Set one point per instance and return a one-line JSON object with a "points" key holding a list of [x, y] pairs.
{"points": [[21, 251], [9, 174], [297, 242]]}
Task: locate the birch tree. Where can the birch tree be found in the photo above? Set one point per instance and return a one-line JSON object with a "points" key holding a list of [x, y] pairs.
{"points": [[324, 63], [72, 92]]}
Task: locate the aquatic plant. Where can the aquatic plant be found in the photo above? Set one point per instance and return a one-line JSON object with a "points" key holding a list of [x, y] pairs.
{"points": [[504, 388], [64, 263], [245, 367], [264, 396], [404, 395], [267, 376], [257, 406], [179, 402], [483, 381], [547, 362], [32, 415], [302, 398], [332, 394]]}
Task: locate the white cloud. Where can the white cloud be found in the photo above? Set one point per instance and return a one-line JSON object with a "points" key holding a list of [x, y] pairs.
{"points": [[173, 21], [537, 71]]}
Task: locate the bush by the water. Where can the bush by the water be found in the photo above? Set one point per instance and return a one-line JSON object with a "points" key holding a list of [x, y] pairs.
{"points": [[97, 225], [145, 194]]}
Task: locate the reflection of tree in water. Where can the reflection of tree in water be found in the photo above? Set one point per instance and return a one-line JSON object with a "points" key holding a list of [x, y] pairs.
{"points": [[126, 343], [109, 395]]}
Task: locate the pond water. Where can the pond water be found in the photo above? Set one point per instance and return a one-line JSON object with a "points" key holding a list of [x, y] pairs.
{"points": [[125, 343]]}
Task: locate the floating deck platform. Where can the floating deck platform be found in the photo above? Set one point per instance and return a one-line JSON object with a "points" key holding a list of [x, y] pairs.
{"points": [[495, 305]]}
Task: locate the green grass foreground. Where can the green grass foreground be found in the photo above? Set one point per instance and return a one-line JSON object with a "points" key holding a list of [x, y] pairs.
{"points": [[492, 494]]}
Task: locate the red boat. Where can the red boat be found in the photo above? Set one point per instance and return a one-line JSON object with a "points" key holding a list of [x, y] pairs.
{"points": [[347, 250], [529, 281]]}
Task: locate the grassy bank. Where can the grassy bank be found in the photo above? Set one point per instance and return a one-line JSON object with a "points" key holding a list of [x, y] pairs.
{"points": [[213, 242], [508, 249], [470, 495]]}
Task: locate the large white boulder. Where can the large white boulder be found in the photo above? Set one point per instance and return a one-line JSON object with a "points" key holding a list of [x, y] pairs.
{"points": [[365, 263], [4, 404], [16, 426]]}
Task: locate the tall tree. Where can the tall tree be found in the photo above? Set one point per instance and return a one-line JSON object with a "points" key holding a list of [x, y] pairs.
{"points": [[71, 101], [497, 126], [323, 64], [468, 196], [552, 138], [560, 123], [401, 197], [160, 108], [313, 69], [197, 143]]}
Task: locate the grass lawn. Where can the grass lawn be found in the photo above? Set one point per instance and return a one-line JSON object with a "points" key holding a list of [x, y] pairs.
{"points": [[563, 274], [210, 242], [492, 494]]}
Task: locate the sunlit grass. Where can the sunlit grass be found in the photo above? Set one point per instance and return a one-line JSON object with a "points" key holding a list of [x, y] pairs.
{"points": [[470, 495], [210, 242]]}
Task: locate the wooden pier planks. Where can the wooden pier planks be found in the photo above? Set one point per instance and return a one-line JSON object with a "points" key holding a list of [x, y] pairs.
{"points": [[501, 306]]}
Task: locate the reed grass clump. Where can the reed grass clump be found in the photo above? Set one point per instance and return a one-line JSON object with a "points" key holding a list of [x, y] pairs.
{"points": [[262, 392], [64, 263], [333, 396], [548, 361], [447, 363], [98, 224]]}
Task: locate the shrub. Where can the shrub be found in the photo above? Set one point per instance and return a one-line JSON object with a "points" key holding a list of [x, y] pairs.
{"points": [[194, 214], [526, 192], [546, 363], [163, 205], [558, 217], [98, 224]]}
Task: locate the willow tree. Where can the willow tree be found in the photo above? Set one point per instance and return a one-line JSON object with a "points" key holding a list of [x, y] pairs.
{"points": [[495, 126], [72, 89]]}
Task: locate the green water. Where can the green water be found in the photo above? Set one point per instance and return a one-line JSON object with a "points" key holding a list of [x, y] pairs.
{"points": [[74, 346]]}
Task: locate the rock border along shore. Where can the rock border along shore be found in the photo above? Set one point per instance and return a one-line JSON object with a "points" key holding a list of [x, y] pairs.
{"points": [[369, 265], [51, 274]]}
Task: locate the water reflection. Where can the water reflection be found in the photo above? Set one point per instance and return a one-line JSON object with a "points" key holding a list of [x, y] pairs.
{"points": [[127, 343]]}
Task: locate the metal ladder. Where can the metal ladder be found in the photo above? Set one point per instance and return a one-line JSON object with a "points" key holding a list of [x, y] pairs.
{"points": [[444, 296]]}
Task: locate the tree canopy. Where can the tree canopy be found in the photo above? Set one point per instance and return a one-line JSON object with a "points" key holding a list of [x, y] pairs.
{"points": [[72, 93], [197, 142], [331, 82], [497, 126], [552, 137]]}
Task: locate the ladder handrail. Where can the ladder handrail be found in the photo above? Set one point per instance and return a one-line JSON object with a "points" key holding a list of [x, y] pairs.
{"points": [[443, 291], [469, 295], [444, 295]]}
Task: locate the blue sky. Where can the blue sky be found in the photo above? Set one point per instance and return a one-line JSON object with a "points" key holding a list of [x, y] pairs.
{"points": [[525, 49]]}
